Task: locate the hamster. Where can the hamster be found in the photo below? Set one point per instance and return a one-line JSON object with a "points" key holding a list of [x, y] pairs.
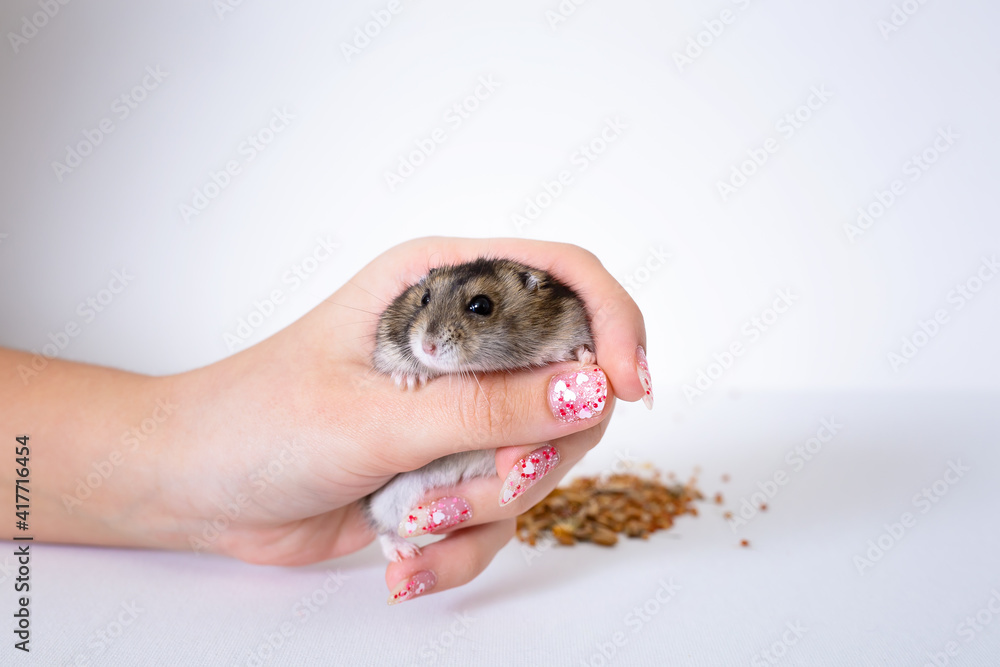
{"points": [[482, 316]]}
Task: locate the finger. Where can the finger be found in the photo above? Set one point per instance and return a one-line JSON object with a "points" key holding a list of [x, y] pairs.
{"points": [[484, 500], [311, 540], [522, 486], [455, 560], [617, 323], [453, 414]]}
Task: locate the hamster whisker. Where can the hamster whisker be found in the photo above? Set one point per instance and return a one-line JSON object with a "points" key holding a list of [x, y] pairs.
{"points": [[344, 305], [353, 324], [430, 257], [476, 378], [372, 294]]}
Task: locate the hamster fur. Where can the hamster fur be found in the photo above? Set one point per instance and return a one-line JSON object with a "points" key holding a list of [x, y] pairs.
{"points": [[481, 316]]}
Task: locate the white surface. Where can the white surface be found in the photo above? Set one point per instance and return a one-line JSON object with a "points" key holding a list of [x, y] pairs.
{"points": [[557, 607], [654, 189]]}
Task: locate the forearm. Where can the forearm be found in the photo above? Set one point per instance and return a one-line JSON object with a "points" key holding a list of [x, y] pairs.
{"points": [[94, 438]]}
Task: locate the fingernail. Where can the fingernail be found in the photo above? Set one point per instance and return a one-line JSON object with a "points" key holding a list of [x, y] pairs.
{"points": [[642, 368], [527, 471], [415, 586], [440, 513], [577, 395]]}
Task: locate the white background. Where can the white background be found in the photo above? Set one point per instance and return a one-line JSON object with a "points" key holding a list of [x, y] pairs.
{"points": [[653, 190]]}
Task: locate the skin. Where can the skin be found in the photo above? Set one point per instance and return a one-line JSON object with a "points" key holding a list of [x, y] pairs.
{"points": [[305, 405]]}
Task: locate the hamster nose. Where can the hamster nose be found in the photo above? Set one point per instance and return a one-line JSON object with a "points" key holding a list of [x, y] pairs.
{"points": [[429, 347]]}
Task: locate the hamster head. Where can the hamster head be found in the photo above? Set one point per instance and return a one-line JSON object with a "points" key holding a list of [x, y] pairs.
{"points": [[486, 315]]}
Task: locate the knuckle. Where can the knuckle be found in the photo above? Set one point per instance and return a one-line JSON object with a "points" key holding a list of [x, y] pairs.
{"points": [[588, 255], [489, 411]]}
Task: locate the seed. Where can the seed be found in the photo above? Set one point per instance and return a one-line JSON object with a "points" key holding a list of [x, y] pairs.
{"points": [[596, 509], [604, 537]]}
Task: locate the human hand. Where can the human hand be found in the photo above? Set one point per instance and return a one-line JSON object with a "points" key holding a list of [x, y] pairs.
{"points": [[271, 449]]}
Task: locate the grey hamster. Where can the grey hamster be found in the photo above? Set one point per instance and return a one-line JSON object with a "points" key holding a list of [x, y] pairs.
{"points": [[486, 315]]}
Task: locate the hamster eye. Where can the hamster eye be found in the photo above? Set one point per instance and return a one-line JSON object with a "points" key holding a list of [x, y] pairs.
{"points": [[426, 298], [481, 305]]}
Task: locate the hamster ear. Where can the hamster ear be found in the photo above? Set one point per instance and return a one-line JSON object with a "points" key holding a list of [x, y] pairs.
{"points": [[532, 280], [430, 272]]}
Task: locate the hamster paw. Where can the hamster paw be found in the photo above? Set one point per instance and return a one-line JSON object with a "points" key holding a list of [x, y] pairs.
{"points": [[395, 548], [584, 355], [408, 380]]}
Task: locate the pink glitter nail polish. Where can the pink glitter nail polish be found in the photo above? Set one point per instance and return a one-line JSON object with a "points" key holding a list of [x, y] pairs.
{"points": [[642, 368], [577, 395], [415, 586], [437, 514], [527, 471]]}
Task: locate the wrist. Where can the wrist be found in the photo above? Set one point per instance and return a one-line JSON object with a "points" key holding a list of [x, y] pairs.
{"points": [[103, 484]]}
